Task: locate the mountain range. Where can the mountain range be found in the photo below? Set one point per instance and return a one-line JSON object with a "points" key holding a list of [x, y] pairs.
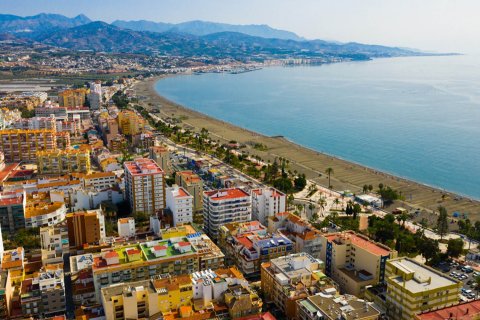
{"points": [[194, 38]]}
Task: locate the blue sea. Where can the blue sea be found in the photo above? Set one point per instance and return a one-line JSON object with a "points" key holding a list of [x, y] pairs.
{"points": [[415, 117]]}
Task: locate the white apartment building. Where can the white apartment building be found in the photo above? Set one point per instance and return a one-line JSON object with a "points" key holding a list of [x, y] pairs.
{"points": [[225, 206], [126, 227], [95, 95], [180, 202], [267, 202], [145, 186]]}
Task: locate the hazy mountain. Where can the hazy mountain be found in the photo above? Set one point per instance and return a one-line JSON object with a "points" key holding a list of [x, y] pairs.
{"points": [[201, 28], [42, 23], [100, 36]]}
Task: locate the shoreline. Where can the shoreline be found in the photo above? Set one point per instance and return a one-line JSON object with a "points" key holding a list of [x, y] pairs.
{"points": [[348, 175]]}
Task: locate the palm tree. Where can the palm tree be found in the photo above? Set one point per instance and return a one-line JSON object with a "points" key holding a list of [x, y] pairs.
{"points": [[329, 171], [322, 203], [337, 202]]}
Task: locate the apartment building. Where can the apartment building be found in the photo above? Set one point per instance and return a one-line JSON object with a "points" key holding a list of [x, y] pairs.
{"points": [[42, 210], [225, 206], [60, 113], [287, 279], [354, 261], [266, 202], [207, 294], [161, 155], [305, 237], [95, 96], [36, 123], [130, 123], [23, 145], [63, 161], [12, 216], [145, 186], [3, 294], [72, 97], [331, 307], [97, 180], [54, 244], [414, 288], [43, 296], [194, 186], [126, 227], [175, 256], [248, 245], [180, 203], [85, 227]]}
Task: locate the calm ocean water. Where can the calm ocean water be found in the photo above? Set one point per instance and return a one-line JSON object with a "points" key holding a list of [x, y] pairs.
{"points": [[417, 117]]}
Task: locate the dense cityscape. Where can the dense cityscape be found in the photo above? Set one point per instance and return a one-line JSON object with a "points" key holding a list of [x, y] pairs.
{"points": [[118, 204]]}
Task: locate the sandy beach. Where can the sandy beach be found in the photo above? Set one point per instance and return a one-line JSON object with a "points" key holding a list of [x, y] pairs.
{"points": [[347, 175]]}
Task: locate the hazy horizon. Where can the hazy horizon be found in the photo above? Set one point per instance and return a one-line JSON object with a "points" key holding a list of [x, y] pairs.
{"points": [[428, 25]]}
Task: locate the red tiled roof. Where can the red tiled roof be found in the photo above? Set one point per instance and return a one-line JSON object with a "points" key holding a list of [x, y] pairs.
{"points": [[132, 251], [183, 243], [361, 242], [247, 243], [158, 248], [464, 311], [136, 167], [111, 254]]}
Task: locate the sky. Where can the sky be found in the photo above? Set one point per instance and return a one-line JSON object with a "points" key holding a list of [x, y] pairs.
{"points": [[429, 25]]}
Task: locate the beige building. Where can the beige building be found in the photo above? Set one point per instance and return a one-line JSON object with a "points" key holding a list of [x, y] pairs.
{"points": [[63, 161], [145, 186], [414, 288], [354, 261], [194, 186], [161, 156]]}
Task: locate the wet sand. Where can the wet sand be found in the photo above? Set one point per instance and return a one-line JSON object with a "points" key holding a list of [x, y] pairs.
{"points": [[347, 175]]}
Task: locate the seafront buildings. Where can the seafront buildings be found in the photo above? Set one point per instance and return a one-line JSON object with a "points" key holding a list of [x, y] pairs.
{"points": [[225, 206], [266, 202], [194, 186], [354, 261], [23, 145], [413, 288]]}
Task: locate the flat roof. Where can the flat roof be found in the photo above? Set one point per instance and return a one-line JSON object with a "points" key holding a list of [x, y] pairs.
{"points": [[425, 278], [143, 166], [350, 307], [226, 194], [360, 241]]}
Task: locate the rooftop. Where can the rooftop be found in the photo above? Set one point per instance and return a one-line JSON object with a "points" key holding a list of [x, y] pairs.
{"points": [[424, 278], [226, 194], [465, 311], [143, 167], [42, 208], [360, 241], [349, 307]]}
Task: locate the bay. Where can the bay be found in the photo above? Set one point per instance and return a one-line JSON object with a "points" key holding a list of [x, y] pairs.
{"points": [[415, 117]]}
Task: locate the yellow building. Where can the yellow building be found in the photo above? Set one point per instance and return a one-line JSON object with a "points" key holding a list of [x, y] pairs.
{"points": [[23, 145], [413, 288], [72, 97], [63, 161], [130, 122], [161, 155], [226, 290]]}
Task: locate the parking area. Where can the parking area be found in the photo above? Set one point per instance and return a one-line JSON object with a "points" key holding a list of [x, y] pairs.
{"points": [[464, 273]]}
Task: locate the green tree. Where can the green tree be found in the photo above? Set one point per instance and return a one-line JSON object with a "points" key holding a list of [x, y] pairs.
{"points": [[428, 248], [300, 182], [329, 171], [454, 247], [365, 188], [442, 222]]}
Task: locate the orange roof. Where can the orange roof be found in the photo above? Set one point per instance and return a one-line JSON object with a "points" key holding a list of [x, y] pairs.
{"points": [[361, 242], [132, 251], [225, 194], [111, 254], [247, 243], [464, 311], [143, 167]]}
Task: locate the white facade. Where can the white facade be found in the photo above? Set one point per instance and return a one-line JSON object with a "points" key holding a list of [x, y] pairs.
{"points": [[95, 96], [126, 227], [180, 202], [145, 186], [266, 202], [225, 206], [56, 214], [82, 199]]}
